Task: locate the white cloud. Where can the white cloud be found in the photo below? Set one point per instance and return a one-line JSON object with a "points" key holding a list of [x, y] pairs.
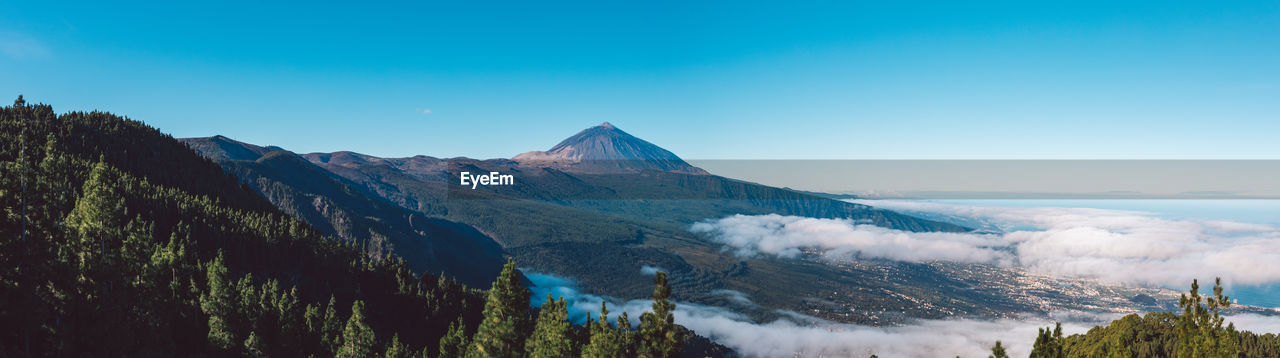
{"points": [[1255, 323], [736, 297], [1113, 246], [651, 270], [924, 338], [787, 236], [1122, 246]]}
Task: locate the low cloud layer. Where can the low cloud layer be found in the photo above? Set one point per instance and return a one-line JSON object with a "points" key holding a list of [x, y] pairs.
{"points": [[806, 336], [650, 270], [1111, 245], [787, 236], [735, 297], [1126, 246], [925, 338]]}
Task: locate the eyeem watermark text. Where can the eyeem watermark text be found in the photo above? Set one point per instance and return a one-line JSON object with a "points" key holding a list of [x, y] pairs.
{"points": [[492, 178]]}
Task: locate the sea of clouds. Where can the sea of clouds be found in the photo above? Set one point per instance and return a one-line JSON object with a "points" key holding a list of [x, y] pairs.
{"points": [[805, 336], [1114, 246]]}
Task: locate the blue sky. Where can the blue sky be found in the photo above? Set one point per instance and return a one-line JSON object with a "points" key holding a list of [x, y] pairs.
{"points": [[707, 80]]}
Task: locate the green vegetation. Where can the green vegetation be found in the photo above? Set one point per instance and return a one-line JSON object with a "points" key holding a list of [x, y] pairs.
{"points": [[506, 332], [335, 208], [551, 334], [606, 341], [500, 332], [592, 227], [1048, 343], [1198, 332], [358, 338], [998, 351], [601, 228], [658, 327], [117, 240], [455, 342]]}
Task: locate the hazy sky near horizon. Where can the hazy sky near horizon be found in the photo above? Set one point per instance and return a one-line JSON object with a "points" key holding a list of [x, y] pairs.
{"points": [[706, 80]]}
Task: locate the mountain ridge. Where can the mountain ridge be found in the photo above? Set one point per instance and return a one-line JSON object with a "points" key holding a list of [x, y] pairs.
{"points": [[339, 207], [602, 227]]}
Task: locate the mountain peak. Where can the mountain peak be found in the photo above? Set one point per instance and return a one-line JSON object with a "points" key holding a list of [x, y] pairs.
{"points": [[607, 149]]}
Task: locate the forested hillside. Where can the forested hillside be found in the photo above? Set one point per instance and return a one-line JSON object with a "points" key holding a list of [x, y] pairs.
{"points": [[1199, 331], [602, 228], [118, 240], [336, 208]]}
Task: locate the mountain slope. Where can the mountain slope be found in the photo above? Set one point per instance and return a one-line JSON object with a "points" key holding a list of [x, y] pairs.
{"points": [[331, 205], [602, 227], [117, 240]]}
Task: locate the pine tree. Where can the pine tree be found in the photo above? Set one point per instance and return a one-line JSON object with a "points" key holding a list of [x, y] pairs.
{"points": [[1199, 328], [357, 339], [217, 302], [550, 337], [28, 240], [658, 334], [997, 351], [53, 187], [291, 326], [169, 269], [135, 252], [626, 338], [505, 317], [604, 341], [253, 344], [247, 307], [172, 267], [136, 286], [454, 343], [1048, 343], [97, 225], [395, 349], [314, 321], [330, 330]]}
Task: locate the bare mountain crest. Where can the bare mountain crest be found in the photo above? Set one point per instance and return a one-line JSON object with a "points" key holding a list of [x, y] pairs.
{"points": [[607, 149]]}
